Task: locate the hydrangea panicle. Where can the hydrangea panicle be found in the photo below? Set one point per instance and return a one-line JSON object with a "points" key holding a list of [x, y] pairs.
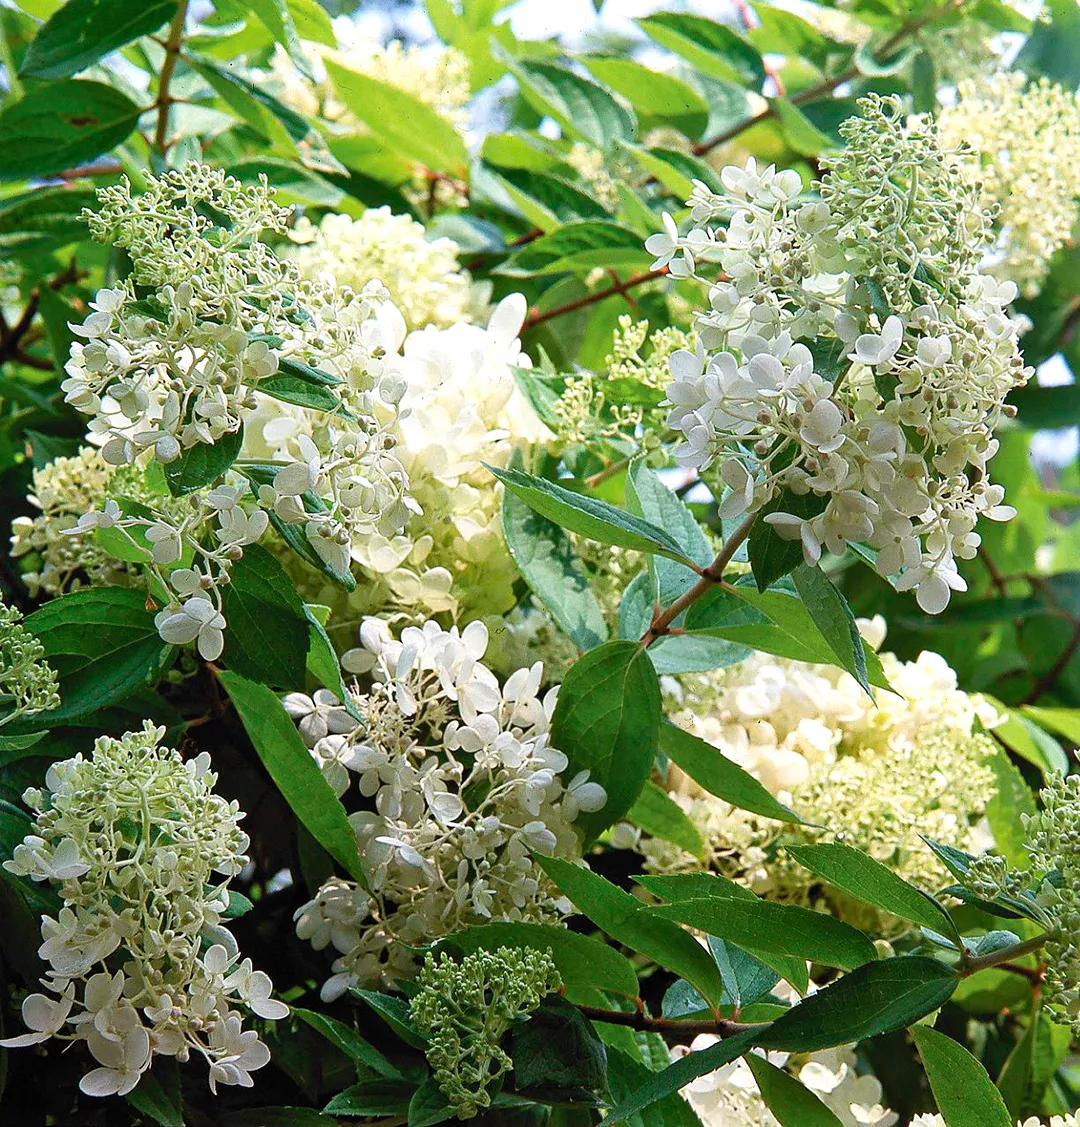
{"points": [[141, 851], [28, 684], [461, 787]]}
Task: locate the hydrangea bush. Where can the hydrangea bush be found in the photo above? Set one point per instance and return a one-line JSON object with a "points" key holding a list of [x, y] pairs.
{"points": [[535, 592]]}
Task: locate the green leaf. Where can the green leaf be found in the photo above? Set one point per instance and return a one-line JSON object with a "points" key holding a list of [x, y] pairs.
{"points": [[680, 888], [656, 97], [406, 124], [713, 48], [1030, 1066], [626, 1075], [583, 962], [676, 171], [799, 131], [606, 722], [277, 1117], [1012, 802], [966, 1096], [746, 978], [589, 516], [429, 1106], [858, 874], [711, 769], [295, 773], [679, 1074], [267, 631], [546, 200], [788, 632], [582, 107], [322, 663], [622, 917], [792, 1103], [659, 815], [395, 1012], [1049, 50], [345, 1038], [579, 248], [769, 926], [104, 645], [557, 1055], [59, 125], [651, 499], [373, 1098], [162, 1102], [875, 998], [203, 463], [771, 556], [81, 32], [546, 559], [833, 618], [265, 113]]}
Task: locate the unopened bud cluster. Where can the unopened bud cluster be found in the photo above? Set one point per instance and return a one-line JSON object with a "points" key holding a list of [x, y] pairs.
{"points": [[28, 684], [141, 850], [465, 1008]]}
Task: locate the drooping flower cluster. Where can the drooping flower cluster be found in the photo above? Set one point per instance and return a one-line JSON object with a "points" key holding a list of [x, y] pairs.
{"points": [[461, 787], [729, 1096], [853, 361], [28, 684], [880, 774], [465, 1008], [625, 396], [1019, 146], [460, 408], [422, 275], [1051, 885], [140, 964]]}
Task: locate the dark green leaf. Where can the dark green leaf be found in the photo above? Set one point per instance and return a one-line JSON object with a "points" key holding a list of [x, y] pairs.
{"points": [[203, 463], [588, 516], [626, 1075], [547, 200], [657, 97], [966, 1096], [868, 880], [875, 998], [782, 929], [771, 556], [622, 917], [661, 816], [580, 248], [746, 978], [59, 125], [833, 617], [791, 1103], [295, 773], [711, 769], [80, 32], [395, 1012], [266, 636], [373, 1098], [557, 1055], [345, 1038], [606, 722], [103, 643]]}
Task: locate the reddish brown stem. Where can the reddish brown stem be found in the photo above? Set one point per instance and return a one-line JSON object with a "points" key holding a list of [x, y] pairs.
{"points": [[538, 316]]}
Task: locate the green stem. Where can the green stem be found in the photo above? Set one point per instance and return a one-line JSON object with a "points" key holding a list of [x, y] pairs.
{"points": [[1005, 955]]}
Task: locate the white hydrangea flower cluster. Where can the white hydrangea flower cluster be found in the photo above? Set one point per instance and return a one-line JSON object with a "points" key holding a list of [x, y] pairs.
{"points": [[1019, 145], [28, 684], [854, 360], [881, 774], [422, 275], [1052, 839], [53, 556], [461, 787], [729, 1096], [156, 391], [460, 408], [140, 963]]}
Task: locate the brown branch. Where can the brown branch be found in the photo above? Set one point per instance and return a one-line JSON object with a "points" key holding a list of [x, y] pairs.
{"points": [[710, 577], [168, 66], [643, 1023], [98, 168], [812, 93], [538, 317], [997, 580]]}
